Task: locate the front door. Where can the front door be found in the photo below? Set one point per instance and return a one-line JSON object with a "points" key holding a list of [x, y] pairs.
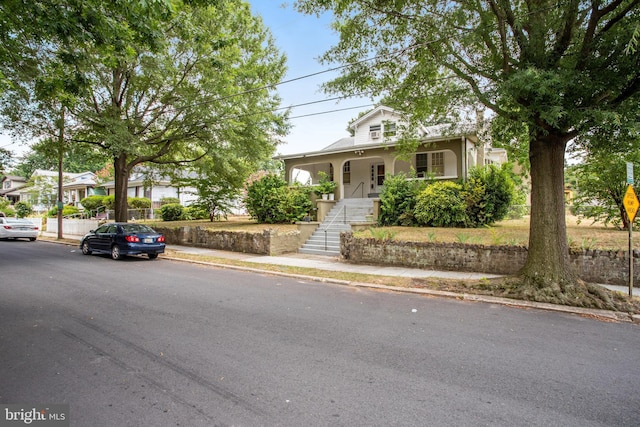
{"points": [[377, 177]]}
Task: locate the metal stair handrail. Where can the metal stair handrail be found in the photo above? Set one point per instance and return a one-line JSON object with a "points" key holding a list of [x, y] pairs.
{"points": [[343, 208]]}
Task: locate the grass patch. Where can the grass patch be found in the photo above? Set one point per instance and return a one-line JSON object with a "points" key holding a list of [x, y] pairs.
{"points": [[511, 233]]}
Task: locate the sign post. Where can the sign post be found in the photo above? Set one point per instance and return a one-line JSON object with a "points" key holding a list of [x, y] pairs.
{"points": [[631, 205]]}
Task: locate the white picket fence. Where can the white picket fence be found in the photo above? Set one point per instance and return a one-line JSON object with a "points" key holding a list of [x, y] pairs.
{"points": [[73, 227]]}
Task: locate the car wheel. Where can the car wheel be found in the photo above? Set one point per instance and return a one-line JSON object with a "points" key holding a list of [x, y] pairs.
{"points": [[153, 256], [32, 239], [86, 250], [115, 252]]}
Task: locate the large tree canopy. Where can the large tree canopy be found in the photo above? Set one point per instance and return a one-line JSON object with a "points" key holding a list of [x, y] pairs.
{"points": [[154, 81], [549, 71], [206, 86]]}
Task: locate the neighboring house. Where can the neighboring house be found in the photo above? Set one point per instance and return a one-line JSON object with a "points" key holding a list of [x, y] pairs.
{"points": [[154, 189], [79, 186], [41, 190], [359, 164], [10, 187]]}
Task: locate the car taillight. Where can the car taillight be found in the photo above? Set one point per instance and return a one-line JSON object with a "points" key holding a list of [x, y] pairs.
{"points": [[35, 228], [132, 239], [161, 239], [8, 227]]}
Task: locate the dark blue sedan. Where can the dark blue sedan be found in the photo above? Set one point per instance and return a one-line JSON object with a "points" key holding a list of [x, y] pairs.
{"points": [[122, 238]]}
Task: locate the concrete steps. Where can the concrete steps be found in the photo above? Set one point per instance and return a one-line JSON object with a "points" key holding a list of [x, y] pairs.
{"points": [[326, 239]]}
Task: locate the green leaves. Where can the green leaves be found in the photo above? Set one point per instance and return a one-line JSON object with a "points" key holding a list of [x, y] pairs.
{"points": [[269, 200]]}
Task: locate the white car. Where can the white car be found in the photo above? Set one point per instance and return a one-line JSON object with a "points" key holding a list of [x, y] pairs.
{"points": [[16, 228]]}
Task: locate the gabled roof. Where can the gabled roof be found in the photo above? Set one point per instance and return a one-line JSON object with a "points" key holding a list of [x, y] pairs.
{"points": [[426, 133], [15, 178], [381, 109]]}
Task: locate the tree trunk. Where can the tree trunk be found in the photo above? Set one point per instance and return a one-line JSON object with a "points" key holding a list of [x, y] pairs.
{"points": [[121, 171], [547, 263]]}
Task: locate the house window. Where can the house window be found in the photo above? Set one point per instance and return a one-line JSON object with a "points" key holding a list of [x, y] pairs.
{"points": [[374, 131], [389, 129], [330, 171], [422, 164], [346, 173], [437, 164]]}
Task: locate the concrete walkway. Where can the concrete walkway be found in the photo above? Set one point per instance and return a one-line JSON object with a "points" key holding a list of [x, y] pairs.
{"points": [[333, 264]]}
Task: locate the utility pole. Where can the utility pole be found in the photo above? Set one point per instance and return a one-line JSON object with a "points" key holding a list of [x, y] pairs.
{"points": [[60, 203]]}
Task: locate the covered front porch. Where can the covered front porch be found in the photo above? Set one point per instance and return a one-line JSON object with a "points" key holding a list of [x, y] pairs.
{"points": [[361, 173]]}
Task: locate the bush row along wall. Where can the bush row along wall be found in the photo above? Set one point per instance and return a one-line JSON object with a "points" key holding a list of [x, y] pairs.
{"points": [[595, 266], [269, 242]]}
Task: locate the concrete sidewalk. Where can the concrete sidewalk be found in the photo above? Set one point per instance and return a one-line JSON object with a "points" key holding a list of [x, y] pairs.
{"points": [[333, 264]]}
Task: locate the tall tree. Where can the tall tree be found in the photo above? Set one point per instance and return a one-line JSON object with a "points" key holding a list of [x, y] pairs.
{"points": [[207, 85], [76, 158], [41, 62], [599, 182], [549, 72], [6, 158]]}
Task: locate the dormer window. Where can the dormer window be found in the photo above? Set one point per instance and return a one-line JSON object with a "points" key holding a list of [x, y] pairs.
{"points": [[375, 131]]}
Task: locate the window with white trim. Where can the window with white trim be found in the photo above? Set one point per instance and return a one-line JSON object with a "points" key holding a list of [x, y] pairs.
{"points": [[422, 164], [390, 129], [346, 173], [437, 163]]}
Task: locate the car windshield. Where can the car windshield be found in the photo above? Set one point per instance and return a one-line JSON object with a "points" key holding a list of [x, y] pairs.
{"points": [[136, 228]]}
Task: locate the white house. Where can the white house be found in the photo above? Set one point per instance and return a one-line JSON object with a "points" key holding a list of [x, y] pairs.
{"points": [[41, 190], [359, 163], [154, 189], [10, 187]]}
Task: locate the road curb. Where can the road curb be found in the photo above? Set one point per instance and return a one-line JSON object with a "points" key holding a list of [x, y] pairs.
{"points": [[605, 315]]}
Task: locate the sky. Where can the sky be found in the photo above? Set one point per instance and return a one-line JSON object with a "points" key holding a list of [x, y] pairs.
{"points": [[302, 38]]}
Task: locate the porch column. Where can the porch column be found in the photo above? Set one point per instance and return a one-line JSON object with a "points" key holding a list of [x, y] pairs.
{"points": [[340, 182]]}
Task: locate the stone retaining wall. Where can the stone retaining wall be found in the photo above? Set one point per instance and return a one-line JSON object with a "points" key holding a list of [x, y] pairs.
{"points": [[269, 242], [610, 267]]}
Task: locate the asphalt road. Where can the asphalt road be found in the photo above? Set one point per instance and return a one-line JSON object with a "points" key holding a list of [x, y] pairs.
{"points": [[165, 343]]}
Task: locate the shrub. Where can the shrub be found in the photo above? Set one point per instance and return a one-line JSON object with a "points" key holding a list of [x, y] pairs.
{"points": [[66, 211], [23, 209], [92, 203], [195, 212], [441, 204], [109, 202], [269, 200], [398, 200], [488, 192], [139, 203], [295, 203], [171, 212], [6, 207], [169, 201]]}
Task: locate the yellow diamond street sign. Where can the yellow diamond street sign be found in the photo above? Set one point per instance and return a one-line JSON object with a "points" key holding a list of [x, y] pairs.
{"points": [[631, 203]]}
